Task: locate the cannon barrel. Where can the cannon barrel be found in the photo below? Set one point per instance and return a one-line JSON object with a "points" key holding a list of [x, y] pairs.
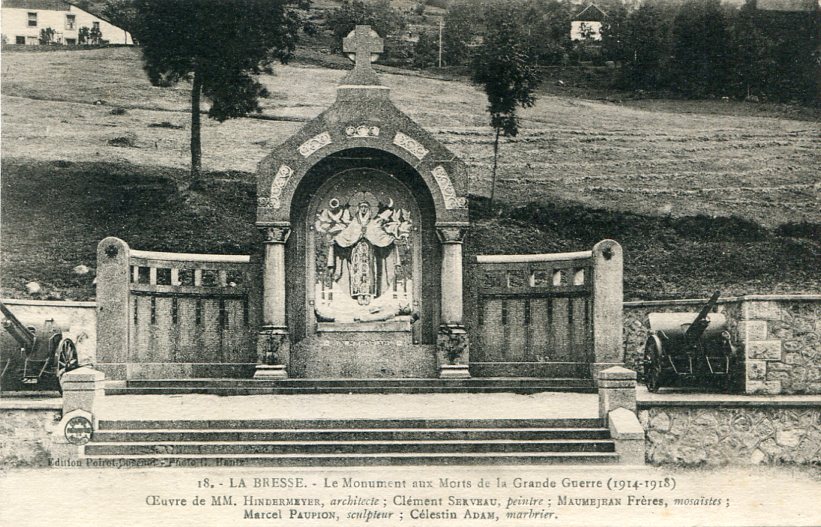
{"points": [[23, 335], [701, 322]]}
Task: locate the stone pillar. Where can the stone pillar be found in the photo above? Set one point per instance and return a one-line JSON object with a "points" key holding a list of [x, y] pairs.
{"points": [[113, 262], [273, 344], [608, 347], [617, 389], [452, 346]]}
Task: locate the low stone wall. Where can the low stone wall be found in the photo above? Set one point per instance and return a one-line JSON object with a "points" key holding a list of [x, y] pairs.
{"points": [[30, 432], [731, 430]]}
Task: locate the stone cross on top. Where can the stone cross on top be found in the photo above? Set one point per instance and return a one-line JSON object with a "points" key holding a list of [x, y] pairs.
{"points": [[362, 45]]}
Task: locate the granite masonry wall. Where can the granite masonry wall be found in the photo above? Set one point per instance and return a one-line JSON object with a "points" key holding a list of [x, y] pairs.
{"points": [[732, 432], [782, 343]]}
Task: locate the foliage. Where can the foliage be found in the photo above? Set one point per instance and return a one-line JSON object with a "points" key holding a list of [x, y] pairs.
{"points": [[47, 36], [426, 50], [121, 13], [219, 46], [776, 54], [505, 68], [701, 49], [382, 18], [754, 58], [613, 34], [461, 24], [644, 48], [546, 26]]}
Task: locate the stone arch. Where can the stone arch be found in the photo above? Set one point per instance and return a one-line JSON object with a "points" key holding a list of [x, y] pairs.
{"points": [[299, 247], [281, 173]]}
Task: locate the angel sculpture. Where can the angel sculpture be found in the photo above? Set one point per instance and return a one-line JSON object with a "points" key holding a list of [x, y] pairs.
{"points": [[362, 253]]}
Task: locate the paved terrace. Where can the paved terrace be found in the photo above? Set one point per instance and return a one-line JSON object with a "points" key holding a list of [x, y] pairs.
{"points": [[351, 406]]}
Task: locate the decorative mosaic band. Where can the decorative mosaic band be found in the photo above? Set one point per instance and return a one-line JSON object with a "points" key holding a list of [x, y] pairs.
{"points": [[411, 145], [452, 201], [280, 180], [362, 131], [315, 143]]}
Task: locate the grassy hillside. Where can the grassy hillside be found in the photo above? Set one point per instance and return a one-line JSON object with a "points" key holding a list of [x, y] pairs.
{"points": [[651, 174]]}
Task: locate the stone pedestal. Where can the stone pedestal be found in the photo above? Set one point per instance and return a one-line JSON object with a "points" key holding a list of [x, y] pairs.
{"points": [[617, 389], [83, 389], [273, 343]]}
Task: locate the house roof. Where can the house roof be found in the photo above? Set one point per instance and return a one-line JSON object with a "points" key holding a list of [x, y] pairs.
{"points": [[787, 5], [47, 5], [591, 13]]}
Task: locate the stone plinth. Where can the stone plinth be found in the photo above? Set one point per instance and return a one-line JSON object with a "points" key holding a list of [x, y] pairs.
{"points": [[617, 389], [628, 434], [367, 350], [83, 389]]}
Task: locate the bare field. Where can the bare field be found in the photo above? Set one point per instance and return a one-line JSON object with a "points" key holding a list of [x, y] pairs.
{"points": [[726, 161]]}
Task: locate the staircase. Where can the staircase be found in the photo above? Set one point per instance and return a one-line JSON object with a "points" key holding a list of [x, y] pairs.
{"points": [[523, 385], [351, 442]]}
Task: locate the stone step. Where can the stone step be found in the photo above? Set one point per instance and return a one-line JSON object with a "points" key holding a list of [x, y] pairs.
{"points": [[347, 447], [224, 390], [349, 424], [359, 459], [399, 434], [349, 383], [303, 391]]}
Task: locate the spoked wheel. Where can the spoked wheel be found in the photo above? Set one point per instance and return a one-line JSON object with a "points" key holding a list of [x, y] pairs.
{"points": [[652, 364], [65, 358]]}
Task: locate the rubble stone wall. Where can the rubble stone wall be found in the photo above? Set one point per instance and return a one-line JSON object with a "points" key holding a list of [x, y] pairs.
{"points": [[29, 437], [724, 435]]}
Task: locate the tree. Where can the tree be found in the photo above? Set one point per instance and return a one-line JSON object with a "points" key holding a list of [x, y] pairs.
{"points": [[121, 13], [220, 47], [701, 49], [546, 24], [753, 61], [504, 67], [645, 44], [382, 18], [426, 50], [47, 36], [612, 33], [461, 24]]}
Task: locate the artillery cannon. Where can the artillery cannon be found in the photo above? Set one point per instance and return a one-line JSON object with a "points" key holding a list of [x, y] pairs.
{"points": [[689, 346], [45, 350]]}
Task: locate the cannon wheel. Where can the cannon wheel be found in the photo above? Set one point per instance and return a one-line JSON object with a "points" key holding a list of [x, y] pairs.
{"points": [[65, 358], [652, 363]]}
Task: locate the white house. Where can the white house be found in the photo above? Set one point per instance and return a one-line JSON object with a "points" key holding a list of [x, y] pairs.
{"points": [[22, 21], [587, 24]]}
